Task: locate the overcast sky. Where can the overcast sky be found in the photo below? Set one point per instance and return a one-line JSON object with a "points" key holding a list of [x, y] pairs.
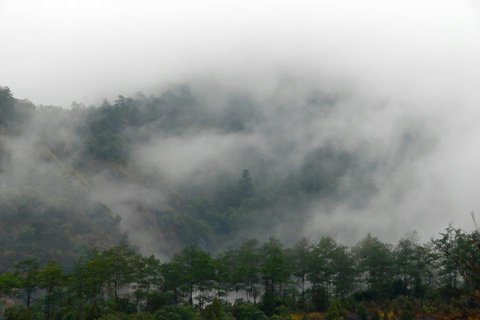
{"points": [[57, 51]]}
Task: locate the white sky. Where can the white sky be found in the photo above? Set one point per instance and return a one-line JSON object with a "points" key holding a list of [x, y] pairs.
{"points": [[57, 51]]}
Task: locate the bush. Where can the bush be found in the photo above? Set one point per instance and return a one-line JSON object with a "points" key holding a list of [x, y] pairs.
{"points": [[217, 310], [93, 312], [407, 315], [114, 316], [248, 311], [70, 316], [18, 313], [141, 316], [375, 316], [176, 313], [335, 311], [280, 317], [361, 312]]}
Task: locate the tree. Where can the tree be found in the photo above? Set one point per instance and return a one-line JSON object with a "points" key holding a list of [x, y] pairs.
{"points": [[247, 268], [13, 112], [148, 278], [345, 275], [322, 271], [197, 269], [8, 283], [119, 262], [225, 265], [50, 278], [7, 108], [300, 256], [245, 186], [412, 267], [375, 263], [248, 311], [275, 266], [172, 280], [448, 259], [458, 261], [27, 273], [275, 269], [469, 246]]}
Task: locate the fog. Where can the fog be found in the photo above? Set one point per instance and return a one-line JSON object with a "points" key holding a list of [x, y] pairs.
{"points": [[396, 82], [55, 52]]}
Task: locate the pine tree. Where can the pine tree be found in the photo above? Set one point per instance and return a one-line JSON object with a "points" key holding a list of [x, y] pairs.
{"points": [[245, 185]]}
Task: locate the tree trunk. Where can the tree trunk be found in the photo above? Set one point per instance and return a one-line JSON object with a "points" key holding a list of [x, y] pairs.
{"points": [[29, 297], [191, 294]]}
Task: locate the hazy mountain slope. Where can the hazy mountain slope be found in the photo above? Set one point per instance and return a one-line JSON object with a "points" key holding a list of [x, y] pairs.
{"points": [[208, 167]]}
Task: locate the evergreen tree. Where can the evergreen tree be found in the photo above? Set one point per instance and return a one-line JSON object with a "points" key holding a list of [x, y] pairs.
{"points": [[27, 273], [245, 185]]}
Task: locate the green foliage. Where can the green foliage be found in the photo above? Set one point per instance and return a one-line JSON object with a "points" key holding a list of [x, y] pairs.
{"points": [[275, 266], [202, 215], [300, 257], [361, 312], [93, 312], [51, 279], [335, 311], [196, 268], [375, 261], [412, 263], [375, 316], [245, 186], [248, 311], [120, 283], [323, 170], [177, 313], [32, 225], [142, 316], [27, 271], [269, 303], [70, 316], [7, 108], [18, 313], [114, 316], [245, 268], [280, 317], [75, 147], [108, 146], [13, 112], [331, 271], [407, 315], [8, 282], [216, 311]]}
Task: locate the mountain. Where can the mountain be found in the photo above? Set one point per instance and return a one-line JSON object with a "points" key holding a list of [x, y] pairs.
{"points": [[183, 167]]}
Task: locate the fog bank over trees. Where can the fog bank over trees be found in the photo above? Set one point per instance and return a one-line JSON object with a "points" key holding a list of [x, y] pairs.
{"points": [[201, 164], [260, 119]]}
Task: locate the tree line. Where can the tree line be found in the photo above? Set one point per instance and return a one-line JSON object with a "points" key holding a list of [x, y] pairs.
{"points": [[254, 281]]}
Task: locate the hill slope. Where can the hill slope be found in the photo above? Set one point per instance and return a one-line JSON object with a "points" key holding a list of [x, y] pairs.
{"points": [[181, 168]]}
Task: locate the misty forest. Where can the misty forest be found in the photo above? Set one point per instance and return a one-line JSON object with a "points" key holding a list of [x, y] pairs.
{"points": [[239, 160], [106, 215]]}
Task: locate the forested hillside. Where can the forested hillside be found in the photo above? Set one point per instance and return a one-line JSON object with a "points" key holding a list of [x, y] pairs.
{"points": [[245, 160], [45, 209], [166, 171]]}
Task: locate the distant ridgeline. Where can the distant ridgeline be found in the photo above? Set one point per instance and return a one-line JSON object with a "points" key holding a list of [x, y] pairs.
{"points": [[325, 280], [68, 175]]}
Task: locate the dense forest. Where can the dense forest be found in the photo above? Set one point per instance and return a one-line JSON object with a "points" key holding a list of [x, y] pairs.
{"points": [[239, 160], [324, 280], [165, 172], [189, 180]]}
